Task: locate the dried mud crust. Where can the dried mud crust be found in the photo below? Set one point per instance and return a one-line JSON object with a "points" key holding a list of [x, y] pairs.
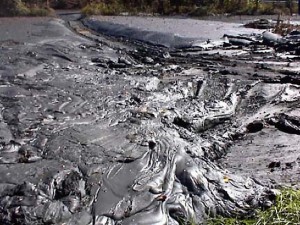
{"points": [[97, 134]]}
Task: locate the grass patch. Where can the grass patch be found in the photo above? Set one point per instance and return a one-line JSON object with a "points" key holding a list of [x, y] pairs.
{"points": [[284, 212]]}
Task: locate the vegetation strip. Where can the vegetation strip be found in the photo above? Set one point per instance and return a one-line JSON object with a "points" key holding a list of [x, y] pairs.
{"points": [[163, 7], [285, 211]]}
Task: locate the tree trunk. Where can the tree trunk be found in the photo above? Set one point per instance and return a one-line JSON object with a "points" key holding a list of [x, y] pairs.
{"points": [[161, 8]]}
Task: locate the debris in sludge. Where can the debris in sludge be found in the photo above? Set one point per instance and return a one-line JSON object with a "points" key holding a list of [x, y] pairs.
{"points": [[261, 24]]}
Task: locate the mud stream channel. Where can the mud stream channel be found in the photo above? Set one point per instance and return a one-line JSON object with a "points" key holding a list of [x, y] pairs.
{"points": [[97, 129]]}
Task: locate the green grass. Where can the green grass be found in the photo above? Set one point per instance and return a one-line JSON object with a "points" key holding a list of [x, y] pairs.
{"points": [[286, 211]]}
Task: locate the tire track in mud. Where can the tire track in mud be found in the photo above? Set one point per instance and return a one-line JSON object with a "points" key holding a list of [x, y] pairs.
{"points": [[134, 138]]}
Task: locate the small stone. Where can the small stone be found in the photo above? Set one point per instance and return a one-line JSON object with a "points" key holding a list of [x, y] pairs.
{"points": [[275, 164]]}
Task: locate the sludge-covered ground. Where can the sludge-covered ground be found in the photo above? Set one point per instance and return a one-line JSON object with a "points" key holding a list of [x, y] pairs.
{"points": [[95, 130]]}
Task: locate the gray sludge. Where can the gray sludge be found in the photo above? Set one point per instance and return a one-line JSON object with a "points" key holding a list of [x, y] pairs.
{"points": [[96, 134], [150, 37]]}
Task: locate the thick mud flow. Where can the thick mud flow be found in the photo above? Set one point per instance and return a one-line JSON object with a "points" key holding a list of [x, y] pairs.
{"points": [[96, 130]]}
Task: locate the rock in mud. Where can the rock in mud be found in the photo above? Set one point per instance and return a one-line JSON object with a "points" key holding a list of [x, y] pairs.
{"points": [[286, 123], [255, 126]]}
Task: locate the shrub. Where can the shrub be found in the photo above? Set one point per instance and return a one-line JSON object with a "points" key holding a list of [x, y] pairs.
{"points": [[19, 8], [59, 4], [39, 11], [102, 9], [200, 11], [194, 8], [12, 8], [243, 7], [68, 4]]}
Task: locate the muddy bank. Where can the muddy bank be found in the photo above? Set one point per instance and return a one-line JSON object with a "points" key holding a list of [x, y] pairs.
{"points": [[166, 32], [99, 131]]}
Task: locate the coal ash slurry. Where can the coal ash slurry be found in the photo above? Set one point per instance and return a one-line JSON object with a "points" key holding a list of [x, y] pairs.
{"points": [[95, 131]]}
